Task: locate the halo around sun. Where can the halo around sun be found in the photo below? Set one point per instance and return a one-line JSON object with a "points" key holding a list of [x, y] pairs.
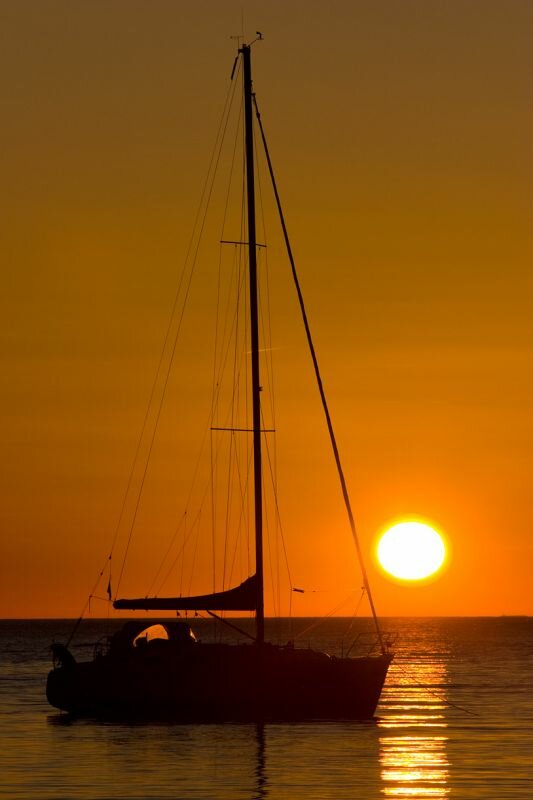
{"points": [[411, 551]]}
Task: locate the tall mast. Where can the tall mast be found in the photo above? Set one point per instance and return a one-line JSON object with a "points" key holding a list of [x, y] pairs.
{"points": [[254, 336]]}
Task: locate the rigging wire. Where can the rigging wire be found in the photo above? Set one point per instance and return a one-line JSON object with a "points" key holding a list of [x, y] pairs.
{"points": [[236, 67], [206, 197], [86, 605], [243, 516], [276, 504], [266, 330], [247, 377], [229, 334], [207, 428], [220, 133], [187, 535], [233, 451], [213, 467], [195, 551], [202, 501], [233, 336], [195, 520], [183, 559], [167, 552], [319, 621], [354, 615], [230, 323], [320, 385]]}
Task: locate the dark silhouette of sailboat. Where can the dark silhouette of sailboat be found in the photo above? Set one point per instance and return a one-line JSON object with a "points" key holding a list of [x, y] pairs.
{"points": [[174, 676]]}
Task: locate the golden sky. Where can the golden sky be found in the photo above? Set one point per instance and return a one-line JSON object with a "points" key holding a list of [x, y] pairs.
{"points": [[401, 136]]}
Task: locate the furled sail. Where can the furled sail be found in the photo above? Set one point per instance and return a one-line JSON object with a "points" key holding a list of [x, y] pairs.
{"points": [[240, 598]]}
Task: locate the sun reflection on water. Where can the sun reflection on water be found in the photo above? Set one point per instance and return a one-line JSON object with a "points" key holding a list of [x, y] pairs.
{"points": [[414, 764]]}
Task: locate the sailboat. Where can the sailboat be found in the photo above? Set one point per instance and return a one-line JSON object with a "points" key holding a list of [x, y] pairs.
{"points": [[172, 675]]}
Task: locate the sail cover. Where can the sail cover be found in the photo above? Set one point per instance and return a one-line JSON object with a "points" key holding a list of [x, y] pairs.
{"points": [[240, 598]]}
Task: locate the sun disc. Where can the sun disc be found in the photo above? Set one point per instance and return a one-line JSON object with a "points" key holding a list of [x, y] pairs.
{"points": [[411, 551]]}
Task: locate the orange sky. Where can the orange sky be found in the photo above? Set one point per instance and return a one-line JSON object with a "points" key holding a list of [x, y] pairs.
{"points": [[401, 135]]}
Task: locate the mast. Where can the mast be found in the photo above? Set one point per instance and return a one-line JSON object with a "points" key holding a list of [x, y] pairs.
{"points": [[254, 337]]}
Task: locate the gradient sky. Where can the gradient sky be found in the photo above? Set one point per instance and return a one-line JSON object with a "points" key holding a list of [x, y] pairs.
{"points": [[401, 134]]}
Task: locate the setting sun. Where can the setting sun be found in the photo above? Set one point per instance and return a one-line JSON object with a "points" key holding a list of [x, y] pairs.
{"points": [[411, 551]]}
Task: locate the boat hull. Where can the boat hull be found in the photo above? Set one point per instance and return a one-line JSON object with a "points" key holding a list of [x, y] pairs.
{"points": [[220, 683]]}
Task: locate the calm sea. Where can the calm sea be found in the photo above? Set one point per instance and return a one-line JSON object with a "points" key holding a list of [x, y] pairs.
{"points": [[422, 743]]}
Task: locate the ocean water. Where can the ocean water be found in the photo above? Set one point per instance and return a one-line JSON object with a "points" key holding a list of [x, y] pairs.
{"points": [[455, 721]]}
